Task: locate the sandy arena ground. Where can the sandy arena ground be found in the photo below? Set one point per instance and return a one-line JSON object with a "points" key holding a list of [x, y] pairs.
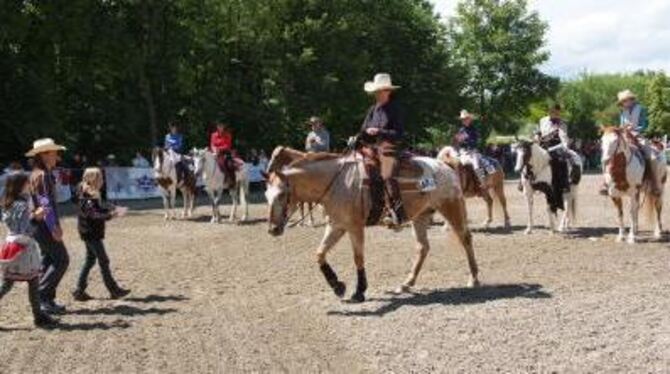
{"points": [[227, 298]]}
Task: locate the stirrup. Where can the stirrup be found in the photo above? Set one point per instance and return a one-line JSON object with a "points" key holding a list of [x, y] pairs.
{"points": [[391, 221]]}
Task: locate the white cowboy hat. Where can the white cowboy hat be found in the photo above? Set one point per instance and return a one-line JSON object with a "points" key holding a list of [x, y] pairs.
{"points": [[465, 114], [44, 145], [381, 81], [625, 95]]}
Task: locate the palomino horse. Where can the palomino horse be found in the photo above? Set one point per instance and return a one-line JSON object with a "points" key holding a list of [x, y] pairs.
{"points": [[533, 162], [339, 184], [624, 174], [216, 183], [494, 182], [166, 176]]}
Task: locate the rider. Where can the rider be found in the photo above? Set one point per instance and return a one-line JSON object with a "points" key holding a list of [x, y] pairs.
{"points": [[633, 119], [383, 128], [174, 145], [552, 134], [467, 140], [221, 144]]}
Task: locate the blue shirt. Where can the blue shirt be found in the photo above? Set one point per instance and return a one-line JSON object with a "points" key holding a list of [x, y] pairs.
{"points": [[637, 116], [174, 142], [470, 137]]}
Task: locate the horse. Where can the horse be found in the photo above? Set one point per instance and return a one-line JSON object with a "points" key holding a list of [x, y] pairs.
{"points": [[533, 162], [207, 166], [624, 172], [340, 184], [165, 170], [494, 183]]}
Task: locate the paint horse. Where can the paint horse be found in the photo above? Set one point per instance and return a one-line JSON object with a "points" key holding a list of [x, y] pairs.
{"points": [[492, 190], [341, 184], [216, 183], [534, 164], [624, 172], [165, 170]]}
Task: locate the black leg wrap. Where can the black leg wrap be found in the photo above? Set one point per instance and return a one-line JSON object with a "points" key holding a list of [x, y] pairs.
{"points": [[361, 287], [338, 287]]}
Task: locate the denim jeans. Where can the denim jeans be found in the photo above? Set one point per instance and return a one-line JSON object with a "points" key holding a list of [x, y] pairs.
{"points": [[95, 250], [55, 261], [33, 293]]}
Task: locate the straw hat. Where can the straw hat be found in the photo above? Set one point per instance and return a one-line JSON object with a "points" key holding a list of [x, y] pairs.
{"points": [[44, 145], [381, 81], [465, 114], [625, 95]]}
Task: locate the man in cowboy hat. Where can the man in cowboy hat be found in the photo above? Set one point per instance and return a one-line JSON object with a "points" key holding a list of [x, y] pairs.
{"points": [[383, 127], [467, 141], [633, 115], [49, 235], [318, 140], [633, 118]]}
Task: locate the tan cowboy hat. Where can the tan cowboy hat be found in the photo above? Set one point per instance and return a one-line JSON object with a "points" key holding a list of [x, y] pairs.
{"points": [[625, 95], [381, 81], [44, 145], [465, 114], [314, 120]]}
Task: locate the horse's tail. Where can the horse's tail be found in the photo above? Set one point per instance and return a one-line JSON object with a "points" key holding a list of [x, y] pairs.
{"points": [[650, 202], [573, 204]]}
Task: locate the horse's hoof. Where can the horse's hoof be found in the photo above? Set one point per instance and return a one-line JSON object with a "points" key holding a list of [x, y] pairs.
{"points": [[619, 239], [474, 283], [340, 288], [528, 231], [403, 288], [631, 240], [357, 297], [507, 226]]}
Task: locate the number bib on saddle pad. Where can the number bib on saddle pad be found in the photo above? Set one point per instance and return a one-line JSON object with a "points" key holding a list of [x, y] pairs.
{"points": [[412, 176]]}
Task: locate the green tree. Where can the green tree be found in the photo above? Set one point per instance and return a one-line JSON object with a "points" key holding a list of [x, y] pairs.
{"points": [[658, 99], [500, 46]]}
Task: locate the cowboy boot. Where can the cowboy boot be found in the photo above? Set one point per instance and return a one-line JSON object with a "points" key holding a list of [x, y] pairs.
{"points": [[481, 178], [396, 211]]}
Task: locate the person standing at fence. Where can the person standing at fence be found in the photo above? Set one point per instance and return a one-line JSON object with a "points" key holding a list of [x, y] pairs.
{"points": [[91, 225], [20, 255], [49, 234], [318, 140], [140, 162]]}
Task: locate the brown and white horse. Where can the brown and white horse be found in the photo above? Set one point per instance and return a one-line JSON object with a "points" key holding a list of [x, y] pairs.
{"points": [[339, 184], [165, 170], [624, 175], [493, 189]]}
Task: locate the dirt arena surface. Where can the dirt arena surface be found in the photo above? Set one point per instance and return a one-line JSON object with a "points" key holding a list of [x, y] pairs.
{"points": [[227, 298]]}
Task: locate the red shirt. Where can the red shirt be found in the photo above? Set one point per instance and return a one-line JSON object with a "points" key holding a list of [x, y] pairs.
{"points": [[221, 141]]}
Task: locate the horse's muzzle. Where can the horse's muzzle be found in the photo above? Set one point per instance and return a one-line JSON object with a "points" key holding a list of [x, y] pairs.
{"points": [[276, 230]]}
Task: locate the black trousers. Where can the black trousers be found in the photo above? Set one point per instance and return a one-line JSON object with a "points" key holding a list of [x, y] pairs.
{"points": [[95, 251], [55, 261], [33, 293]]}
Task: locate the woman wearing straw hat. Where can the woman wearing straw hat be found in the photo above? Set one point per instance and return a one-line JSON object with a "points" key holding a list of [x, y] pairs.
{"points": [[48, 233], [383, 127]]}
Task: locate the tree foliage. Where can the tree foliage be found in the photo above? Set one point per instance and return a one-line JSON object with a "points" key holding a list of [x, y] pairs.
{"points": [[500, 44], [107, 76]]}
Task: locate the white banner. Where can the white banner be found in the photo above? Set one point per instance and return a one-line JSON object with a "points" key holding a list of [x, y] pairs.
{"points": [[130, 183]]}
